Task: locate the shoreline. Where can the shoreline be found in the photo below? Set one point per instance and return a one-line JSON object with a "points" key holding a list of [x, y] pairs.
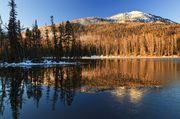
{"points": [[132, 57], [50, 63], [29, 64]]}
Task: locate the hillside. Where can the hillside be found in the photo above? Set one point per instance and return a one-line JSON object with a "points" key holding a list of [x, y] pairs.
{"points": [[134, 33], [127, 38], [130, 39]]}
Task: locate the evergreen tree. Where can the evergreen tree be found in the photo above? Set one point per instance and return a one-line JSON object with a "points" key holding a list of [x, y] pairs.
{"points": [[15, 50], [28, 38], [68, 38], [73, 47], [36, 35], [79, 49], [54, 31], [48, 43], [19, 31], [61, 35], [1, 39], [1, 29], [47, 38], [27, 43]]}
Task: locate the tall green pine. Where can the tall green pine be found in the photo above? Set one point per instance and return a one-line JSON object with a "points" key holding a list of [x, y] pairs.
{"points": [[15, 50]]}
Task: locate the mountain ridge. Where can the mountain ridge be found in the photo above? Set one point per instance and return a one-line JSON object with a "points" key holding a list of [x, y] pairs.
{"points": [[133, 16]]}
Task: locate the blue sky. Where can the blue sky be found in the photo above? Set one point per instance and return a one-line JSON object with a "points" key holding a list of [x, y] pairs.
{"points": [[62, 10]]}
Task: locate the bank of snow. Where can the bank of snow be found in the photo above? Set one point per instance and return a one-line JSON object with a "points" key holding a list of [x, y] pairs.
{"points": [[29, 63]]}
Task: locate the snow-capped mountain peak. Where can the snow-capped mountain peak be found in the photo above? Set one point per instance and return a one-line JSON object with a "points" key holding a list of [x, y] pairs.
{"points": [[128, 15], [138, 16], [133, 16]]}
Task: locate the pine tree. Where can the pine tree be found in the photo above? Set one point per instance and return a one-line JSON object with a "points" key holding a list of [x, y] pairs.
{"points": [[68, 38], [28, 38], [54, 31], [61, 35], [27, 43], [73, 47], [15, 51], [1, 39], [48, 44], [79, 49], [1, 29], [19, 31], [36, 35], [47, 38]]}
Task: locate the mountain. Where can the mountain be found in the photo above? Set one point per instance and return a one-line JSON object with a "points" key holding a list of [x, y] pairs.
{"points": [[137, 16], [88, 20], [133, 16], [126, 34]]}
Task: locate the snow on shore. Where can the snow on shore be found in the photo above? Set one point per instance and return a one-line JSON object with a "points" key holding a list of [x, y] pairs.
{"points": [[29, 64]]}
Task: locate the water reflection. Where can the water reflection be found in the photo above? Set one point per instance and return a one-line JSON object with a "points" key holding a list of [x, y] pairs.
{"points": [[134, 95], [131, 73], [19, 85], [123, 78]]}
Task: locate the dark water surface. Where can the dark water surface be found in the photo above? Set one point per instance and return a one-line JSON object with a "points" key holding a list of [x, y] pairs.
{"points": [[99, 89]]}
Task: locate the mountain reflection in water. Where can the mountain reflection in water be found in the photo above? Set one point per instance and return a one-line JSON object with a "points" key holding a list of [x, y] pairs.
{"points": [[121, 78]]}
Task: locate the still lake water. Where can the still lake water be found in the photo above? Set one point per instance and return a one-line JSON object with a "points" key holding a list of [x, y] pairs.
{"points": [[98, 89]]}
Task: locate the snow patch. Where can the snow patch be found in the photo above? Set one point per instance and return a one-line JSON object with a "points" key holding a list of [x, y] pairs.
{"points": [[29, 64], [136, 16], [133, 16]]}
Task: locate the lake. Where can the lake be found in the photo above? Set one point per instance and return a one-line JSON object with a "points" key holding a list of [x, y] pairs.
{"points": [[97, 89]]}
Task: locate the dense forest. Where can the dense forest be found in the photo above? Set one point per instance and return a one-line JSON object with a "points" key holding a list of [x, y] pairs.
{"points": [[16, 47], [74, 40], [126, 39]]}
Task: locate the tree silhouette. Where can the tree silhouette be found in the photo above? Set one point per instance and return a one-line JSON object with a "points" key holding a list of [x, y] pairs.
{"points": [[36, 35], [61, 36], [1, 29], [68, 38], [55, 40], [2, 37], [48, 43], [15, 48], [27, 46]]}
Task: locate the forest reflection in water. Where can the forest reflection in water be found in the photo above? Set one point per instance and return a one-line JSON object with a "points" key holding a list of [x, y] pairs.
{"points": [[130, 72], [120, 77]]}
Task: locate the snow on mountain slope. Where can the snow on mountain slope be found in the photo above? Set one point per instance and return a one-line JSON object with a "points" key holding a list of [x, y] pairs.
{"points": [[138, 16], [134, 16]]}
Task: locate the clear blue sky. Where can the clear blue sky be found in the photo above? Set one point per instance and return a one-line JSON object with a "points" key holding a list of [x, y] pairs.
{"points": [[62, 10]]}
